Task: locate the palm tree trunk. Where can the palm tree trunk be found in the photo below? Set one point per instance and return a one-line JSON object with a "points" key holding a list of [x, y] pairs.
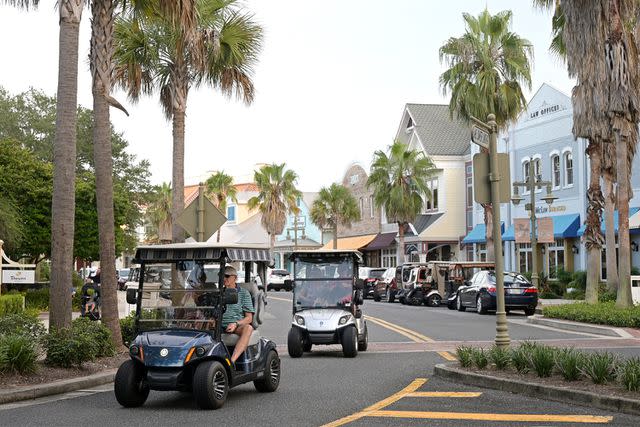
{"points": [[177, 203], [272, 246], [335, 235], [400, 249], [101, 68], [625, 149], [64, 166], [593, 234], [488, 228], [609, 207]]}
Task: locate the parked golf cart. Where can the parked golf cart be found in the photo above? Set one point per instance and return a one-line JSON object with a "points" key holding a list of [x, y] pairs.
{"points": [[403, 280], [180, 344], [424, 288], [327, 295]]}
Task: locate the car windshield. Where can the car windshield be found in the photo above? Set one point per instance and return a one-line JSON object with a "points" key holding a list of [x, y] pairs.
{"points": [[510, 279], [323, 281], [184, 295]]}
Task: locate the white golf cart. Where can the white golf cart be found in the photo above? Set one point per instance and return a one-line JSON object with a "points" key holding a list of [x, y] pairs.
{"points": [[327, 296]]}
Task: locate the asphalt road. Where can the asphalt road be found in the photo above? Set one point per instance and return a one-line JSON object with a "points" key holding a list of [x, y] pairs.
{"points": [[393, 380]]}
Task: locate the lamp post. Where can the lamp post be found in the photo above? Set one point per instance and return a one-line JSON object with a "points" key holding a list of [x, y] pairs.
{"points": [[532, 183]]}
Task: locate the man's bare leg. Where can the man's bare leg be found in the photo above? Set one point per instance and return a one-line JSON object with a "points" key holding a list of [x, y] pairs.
{"points": [[244, 332]]}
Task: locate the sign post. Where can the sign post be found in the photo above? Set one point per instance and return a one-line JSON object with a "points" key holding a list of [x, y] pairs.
{"points": [[201, 218], [17, 274]]}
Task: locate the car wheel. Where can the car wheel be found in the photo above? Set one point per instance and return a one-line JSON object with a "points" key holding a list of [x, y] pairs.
{"points": [[294, 343], [459, 305], [364, 343], [529, 311], [210, 385], [434, 300], [271, 379], [350, 342], [376, 297], [479, 307], [306, 346], [402, 300], [129, 385], [390, 296]]}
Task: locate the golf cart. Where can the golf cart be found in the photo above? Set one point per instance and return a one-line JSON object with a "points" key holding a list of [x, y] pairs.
{"points": [[180, 344], [423, 288], [327, 296]]}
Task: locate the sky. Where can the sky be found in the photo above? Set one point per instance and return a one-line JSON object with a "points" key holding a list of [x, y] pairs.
{"points": [[332, 82]]}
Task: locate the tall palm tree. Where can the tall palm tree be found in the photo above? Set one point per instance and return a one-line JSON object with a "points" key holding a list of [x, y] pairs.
{"points": [[602, 54], [220, 187], [334, 205], [399, 182], [277, 196], [156, 53], [487, 66], [159, 212], [23, 4]]}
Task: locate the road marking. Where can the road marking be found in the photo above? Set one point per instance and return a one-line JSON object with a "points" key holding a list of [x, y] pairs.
{"points": [[445, 394], [412, 335], [415, 385], [492, 417]]}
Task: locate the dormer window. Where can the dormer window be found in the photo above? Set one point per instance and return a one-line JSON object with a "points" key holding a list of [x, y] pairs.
{"points": [[409, 127]]}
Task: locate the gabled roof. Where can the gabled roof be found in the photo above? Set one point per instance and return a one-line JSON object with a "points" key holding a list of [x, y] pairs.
{"points": [[440, 134]]}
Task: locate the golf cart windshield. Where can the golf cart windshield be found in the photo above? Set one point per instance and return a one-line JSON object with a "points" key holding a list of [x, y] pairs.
{"points": [[182, 295], [323, 281]]}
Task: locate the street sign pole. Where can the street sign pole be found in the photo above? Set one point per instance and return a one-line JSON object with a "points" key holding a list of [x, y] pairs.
{"points": [[200, 231]]}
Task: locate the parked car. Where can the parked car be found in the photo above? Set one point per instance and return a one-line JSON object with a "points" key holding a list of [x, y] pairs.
{"points": [[383, 283], [276, 280], [370, 276], [480, 293], [123, 277]]}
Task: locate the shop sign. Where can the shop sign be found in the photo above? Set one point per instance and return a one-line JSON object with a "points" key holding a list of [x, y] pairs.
{"points": [[18, 276], [545, 109], [552, 208], [545, 230], [522, 230]]}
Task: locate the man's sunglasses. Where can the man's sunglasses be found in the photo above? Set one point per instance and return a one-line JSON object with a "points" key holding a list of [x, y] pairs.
{"points": [[228, 275]]}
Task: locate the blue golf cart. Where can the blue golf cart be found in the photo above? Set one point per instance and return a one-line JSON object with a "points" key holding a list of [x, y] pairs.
{"points": [[180, 343]]}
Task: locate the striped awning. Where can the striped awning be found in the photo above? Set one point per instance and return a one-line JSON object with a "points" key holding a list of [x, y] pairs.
{"points": [[207, 252]]}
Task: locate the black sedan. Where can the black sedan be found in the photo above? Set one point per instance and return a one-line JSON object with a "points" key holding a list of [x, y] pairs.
{"points": [[480, 293]]}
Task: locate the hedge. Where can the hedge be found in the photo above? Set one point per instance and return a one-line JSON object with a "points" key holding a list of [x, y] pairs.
{"points": [[11, 304], [602, 313]]}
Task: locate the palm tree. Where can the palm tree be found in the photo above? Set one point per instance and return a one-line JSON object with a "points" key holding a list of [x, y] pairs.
{"points": [[399, 182], [22, 4], [220, 187], [277, 196], [334, 205], [487, 66], [156, 53], [602, 55], [159, 212]]}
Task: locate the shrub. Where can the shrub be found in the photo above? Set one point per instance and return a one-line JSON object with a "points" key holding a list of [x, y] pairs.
{"points": [[520, 357], [11, 304], [96, 333], [607, 296], [76, 301], [17, 354], [22, 324], [600, 367], [500, 357], [601, 313], [37, 299], [479, 357], [569, 363], [576, 294], [66, 349], [628, 374], [579, 280], [127, 329], [542, 360], [564, 277]]}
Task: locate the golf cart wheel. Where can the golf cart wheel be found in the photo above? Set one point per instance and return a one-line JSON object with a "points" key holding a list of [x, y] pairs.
{"points": [[271, 379], [294, 343], [376, 297], [350, 342], [390, 296], [402, 300], [364, 344], [459, 305], [306, 346], [129, 386], [434, 300], [479, 307], [210, 385]]}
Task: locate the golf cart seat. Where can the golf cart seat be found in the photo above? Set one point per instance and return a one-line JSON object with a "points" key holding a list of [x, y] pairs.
{"points": [[257, 297]]}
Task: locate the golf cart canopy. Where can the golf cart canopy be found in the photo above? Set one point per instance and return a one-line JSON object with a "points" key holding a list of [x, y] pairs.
{"points": [[202, 251], [326, 252]]}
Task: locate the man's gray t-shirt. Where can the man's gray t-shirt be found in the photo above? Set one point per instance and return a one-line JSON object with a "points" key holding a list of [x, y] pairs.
{"points": [[235, 312]]}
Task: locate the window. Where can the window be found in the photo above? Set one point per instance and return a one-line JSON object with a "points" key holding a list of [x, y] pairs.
{"points": [[231, 213], [469, 220], [371, 209], [537, 171], [555, 170], [525, 173], [525, 257], [410, 123], [481, 250], [568, 168], [389, 257], [432, 202], [556, 257], [361, 207], [469, 192]]}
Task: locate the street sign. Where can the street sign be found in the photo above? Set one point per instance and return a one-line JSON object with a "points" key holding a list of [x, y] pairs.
{"points": [[545, 230], [480, 136], [481, 183], [213, 218], [522, 230]]}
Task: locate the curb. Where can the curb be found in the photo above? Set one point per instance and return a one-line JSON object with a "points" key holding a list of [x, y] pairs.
{"points": [[575, 326], [57, 387], [548, 392]]}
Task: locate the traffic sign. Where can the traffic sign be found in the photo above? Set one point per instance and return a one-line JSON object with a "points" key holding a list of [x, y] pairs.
{"points": [[481, 183], [480, 136], [213, 218]]}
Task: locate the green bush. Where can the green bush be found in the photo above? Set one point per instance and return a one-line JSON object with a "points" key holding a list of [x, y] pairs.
{"points": [[607, 296], [11, 304], [17, 354], [604, 313], [500, 357], [520, 356], [579, 280], [575, 295], [542, 360], [37, 299], [66, 349], [22, 324], [569, 363], [600, 367], [76, 301], [479, 357], [127, 329], [628, 374], [96, 333], [564, 277]]}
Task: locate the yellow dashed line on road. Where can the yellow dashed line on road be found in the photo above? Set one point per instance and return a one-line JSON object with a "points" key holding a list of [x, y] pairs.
{"points": [[492, 417], [445, 394]]}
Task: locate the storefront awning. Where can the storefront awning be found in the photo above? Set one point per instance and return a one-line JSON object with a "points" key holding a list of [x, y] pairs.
{"points": [[356, 242], [381, 241], [632, 212], [477, 235], [564, 227]]}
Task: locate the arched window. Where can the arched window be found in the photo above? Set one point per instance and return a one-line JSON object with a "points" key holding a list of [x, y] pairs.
{"points": [[555, 170], [525, 173], [568, 168], [537, 171]]}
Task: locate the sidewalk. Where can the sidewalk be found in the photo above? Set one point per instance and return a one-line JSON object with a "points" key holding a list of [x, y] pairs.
{"points": [[551, 302]]}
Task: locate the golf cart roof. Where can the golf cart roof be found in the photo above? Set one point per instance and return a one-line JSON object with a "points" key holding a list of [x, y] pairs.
{"points": [[202, 251], [320, 252]]}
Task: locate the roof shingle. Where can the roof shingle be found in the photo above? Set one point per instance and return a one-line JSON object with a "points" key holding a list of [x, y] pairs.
{"points": [[440, 134]]}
